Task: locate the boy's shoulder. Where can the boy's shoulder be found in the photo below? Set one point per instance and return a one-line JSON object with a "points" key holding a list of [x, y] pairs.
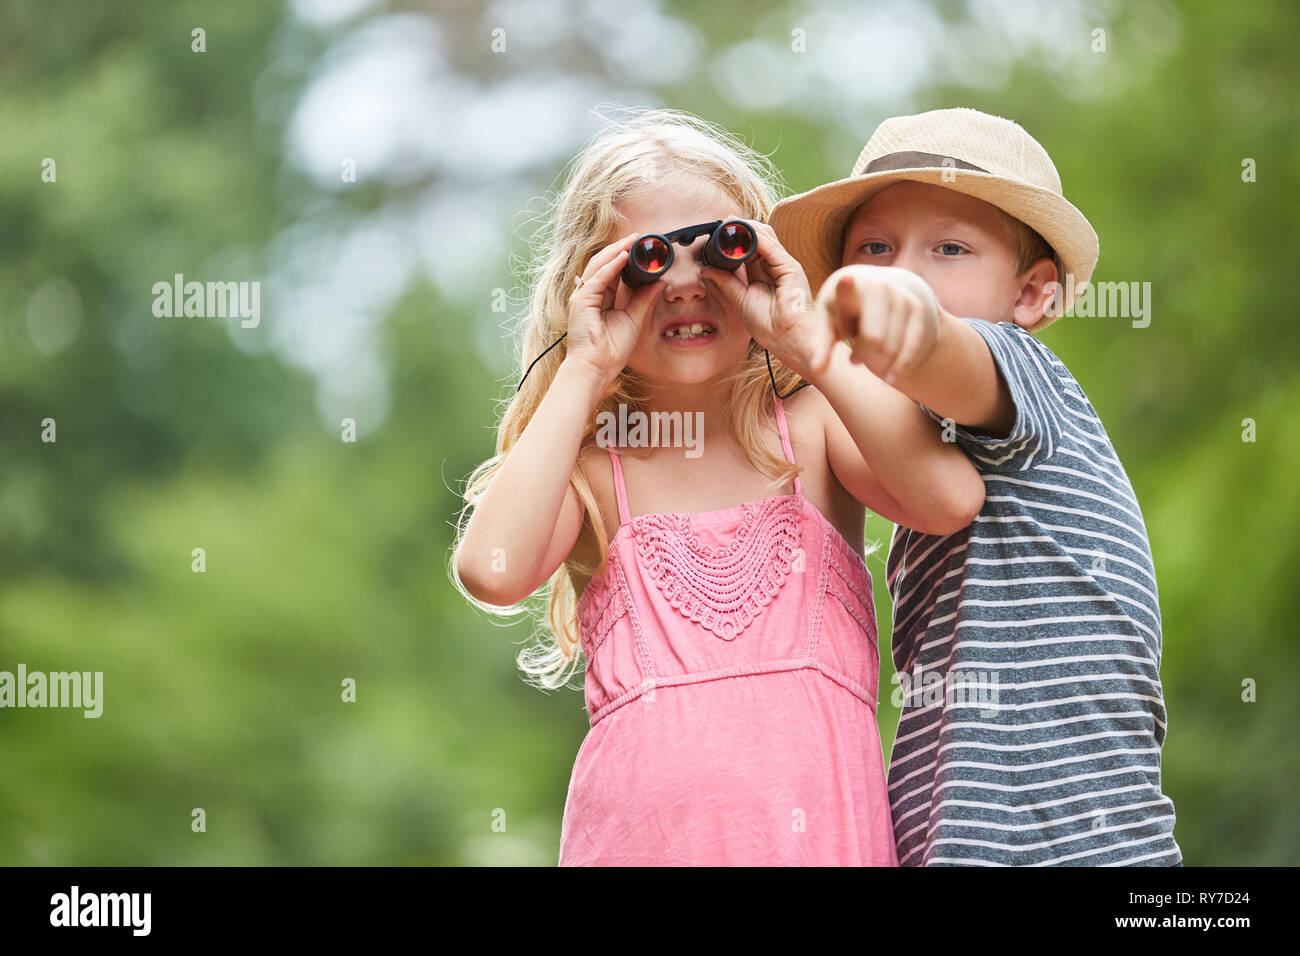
{"points": [[1052, 411], [1020, 354], [1012, 335]]}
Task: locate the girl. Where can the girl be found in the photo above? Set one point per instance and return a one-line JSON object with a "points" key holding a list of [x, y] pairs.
{"points": [[727, 623]]}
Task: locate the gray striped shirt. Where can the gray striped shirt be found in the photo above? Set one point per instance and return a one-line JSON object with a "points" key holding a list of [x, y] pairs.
{"points": [[1028, 649]]}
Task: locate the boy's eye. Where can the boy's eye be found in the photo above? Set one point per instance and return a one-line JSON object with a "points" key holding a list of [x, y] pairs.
{"points": [[875, 248], [950, 249]]}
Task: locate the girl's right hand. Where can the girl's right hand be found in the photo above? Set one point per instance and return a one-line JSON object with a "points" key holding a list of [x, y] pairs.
{"points": [[602, 334]]}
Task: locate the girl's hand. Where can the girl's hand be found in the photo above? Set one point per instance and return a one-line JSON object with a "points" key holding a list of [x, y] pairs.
{"points": [[775, 304], [600, 335], [889, 316]]}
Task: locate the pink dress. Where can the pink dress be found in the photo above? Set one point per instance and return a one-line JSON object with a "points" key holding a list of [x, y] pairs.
{"points": [[731, 687]]}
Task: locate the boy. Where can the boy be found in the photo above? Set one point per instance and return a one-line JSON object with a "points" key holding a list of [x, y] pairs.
{"points": [[948, 245]]}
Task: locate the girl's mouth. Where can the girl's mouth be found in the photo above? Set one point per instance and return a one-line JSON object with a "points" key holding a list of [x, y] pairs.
{"points": [[690, 333]]}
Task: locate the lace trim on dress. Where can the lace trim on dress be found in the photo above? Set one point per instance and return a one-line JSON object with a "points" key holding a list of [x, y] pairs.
{"points": [[722, 589]]}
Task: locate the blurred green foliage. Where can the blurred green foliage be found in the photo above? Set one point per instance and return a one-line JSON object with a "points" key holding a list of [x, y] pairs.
{"points": [[328, 560]]}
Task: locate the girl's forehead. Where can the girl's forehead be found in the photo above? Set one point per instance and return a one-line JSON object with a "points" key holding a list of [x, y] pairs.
{"points": [[659, 206]]}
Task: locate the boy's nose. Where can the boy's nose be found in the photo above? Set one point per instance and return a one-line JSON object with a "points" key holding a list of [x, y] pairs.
{"points": [[915, 262], [910, 259]]}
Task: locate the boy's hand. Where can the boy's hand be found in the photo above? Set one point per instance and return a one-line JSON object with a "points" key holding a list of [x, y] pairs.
{"points": [[889, 316], [775, 304]]}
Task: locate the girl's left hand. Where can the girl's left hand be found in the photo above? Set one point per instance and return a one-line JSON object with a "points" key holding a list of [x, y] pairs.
{"points": [[776, 305]]}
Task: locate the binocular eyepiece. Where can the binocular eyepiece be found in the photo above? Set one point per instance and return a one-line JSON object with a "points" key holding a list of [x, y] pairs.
{"points": [[731, 244]]}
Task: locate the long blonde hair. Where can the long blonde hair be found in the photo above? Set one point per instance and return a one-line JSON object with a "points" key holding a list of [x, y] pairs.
{"points": [[636, 149]]}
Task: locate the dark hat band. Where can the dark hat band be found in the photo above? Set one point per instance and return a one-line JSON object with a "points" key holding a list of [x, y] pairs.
{"points": [[911, 159]]}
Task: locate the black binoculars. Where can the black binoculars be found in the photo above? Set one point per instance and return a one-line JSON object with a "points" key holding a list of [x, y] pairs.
{"points": [[732, 243]]}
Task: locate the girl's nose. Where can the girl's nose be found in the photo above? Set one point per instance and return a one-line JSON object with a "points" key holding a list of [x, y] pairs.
{"points": [[683, 281]]}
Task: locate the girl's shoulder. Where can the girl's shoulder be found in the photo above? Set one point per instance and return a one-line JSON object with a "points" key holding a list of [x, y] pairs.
{"points": [[595, 466], [806, 414]]}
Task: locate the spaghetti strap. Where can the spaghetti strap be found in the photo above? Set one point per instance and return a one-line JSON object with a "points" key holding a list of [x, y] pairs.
{"points": [[785, 441], [620, 489]]}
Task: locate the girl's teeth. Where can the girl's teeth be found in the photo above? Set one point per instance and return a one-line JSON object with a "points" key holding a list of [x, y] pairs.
{"points": [[684, 332]]}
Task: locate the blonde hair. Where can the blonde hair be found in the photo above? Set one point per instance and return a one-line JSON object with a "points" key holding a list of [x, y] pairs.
{"points": [[639, 149], [1029, 246]]}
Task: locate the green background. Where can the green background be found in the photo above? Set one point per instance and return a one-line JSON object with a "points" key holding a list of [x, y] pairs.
{"points": [[327, 560]]}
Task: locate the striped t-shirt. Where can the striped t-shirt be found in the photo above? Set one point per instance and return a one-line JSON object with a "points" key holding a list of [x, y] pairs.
{"points": [[1033, 714]]}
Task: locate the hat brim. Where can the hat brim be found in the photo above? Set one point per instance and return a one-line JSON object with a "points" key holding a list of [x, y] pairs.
{"points": [[811, 225]]}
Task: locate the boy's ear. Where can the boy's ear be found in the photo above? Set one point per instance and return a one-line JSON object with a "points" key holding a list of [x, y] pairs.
{"points": [[1037, 286]]}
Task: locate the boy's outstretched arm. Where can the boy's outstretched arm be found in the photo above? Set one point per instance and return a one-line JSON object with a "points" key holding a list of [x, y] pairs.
{"points": [[882, 447], [890, 455], [896, 327]]}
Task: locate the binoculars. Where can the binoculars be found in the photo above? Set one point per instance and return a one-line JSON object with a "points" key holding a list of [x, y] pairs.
{"points": [[732, 243]]}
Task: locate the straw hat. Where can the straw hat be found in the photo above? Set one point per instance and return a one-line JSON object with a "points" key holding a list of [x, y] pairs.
{"points": [[984, 156]]}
